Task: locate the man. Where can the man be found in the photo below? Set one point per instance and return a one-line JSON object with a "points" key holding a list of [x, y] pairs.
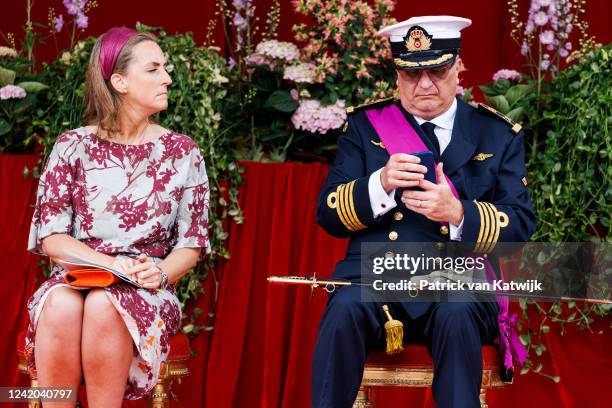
{"points": [[371, 196]]}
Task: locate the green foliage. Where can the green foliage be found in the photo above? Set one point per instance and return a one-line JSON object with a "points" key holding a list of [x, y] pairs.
{"points": [[18, 116], [514, 100], [570, 177]]}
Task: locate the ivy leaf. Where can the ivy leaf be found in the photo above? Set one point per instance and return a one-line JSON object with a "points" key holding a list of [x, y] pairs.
{"points": [[281, 101], [7, 76]]}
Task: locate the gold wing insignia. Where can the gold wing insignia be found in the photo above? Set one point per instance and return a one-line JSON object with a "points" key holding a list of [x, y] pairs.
{"points": [[377, 144], [482, 156]]}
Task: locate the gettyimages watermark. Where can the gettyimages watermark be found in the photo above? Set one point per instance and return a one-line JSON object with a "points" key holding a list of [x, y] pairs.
{"points": [[450, 271]]}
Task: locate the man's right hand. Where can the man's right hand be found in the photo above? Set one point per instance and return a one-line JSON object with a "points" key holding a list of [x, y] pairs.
{"points": [[401, 171]]}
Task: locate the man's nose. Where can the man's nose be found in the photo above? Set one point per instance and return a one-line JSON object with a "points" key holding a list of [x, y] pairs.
{"points": [[424, 80]]}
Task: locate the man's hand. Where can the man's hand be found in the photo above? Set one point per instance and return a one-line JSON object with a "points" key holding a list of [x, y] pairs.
{"points": [[437, 202], [402, 170]]}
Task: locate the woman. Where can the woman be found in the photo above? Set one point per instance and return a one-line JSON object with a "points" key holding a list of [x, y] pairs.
{"points": [[126, 193]]}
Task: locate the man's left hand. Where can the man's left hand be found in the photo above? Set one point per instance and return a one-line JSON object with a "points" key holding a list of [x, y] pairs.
{"points": [[436, 202]]}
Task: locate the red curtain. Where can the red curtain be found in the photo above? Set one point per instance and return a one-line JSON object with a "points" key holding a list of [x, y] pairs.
{"points": [[259, 353]]}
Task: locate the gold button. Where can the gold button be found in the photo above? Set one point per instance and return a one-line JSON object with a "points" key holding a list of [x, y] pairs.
{"points": [[440, 245], [444, 230], [389, 254], [398, 216], [393, 235]]}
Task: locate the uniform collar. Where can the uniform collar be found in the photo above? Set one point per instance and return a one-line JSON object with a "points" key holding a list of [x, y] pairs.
{"points": [[445, 120]]}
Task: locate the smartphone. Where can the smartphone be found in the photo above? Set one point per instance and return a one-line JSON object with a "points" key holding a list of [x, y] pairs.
{"points": [[427, 160]]}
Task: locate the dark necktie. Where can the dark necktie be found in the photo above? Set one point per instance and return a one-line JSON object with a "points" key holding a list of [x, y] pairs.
{"points": [[428, 128]]}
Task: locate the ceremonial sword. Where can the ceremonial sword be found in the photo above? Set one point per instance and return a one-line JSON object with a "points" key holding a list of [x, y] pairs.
{"points": [[330, 285]]}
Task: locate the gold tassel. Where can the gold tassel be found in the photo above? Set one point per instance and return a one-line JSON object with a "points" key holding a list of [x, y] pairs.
{"points": [[395, 333]]}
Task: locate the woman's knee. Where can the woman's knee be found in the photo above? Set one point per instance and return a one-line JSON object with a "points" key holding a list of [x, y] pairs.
{"points": [[63, 307], [99, 309]]}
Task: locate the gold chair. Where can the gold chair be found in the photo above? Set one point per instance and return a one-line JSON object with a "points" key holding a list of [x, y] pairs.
{"points": [[413, 367]]}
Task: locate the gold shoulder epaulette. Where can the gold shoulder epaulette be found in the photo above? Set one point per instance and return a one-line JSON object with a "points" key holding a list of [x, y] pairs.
{"points": [[516, 127], [371, 104]]}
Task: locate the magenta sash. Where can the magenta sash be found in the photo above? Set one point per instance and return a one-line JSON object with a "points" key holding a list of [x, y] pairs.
{"points": [[399, 137]]}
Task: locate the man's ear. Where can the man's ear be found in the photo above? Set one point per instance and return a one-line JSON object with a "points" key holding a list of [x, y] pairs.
{"points": [[119, 83]]}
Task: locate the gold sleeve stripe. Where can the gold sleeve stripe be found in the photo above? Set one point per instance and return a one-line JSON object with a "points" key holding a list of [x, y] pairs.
{"points": [[485, 226], [479, 239], [346, 197], [491, 222], [488, 247], [341, 210], [351, 207]]}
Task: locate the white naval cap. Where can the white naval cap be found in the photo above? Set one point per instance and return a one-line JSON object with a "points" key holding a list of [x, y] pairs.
{"points": [[426, 41]]}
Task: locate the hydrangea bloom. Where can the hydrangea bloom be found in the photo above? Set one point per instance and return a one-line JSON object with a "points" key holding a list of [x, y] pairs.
{"points": [[12, 92], [281, 50], [8, 52], [311, 116], [460, 91], [509, 74], [301, 73]]}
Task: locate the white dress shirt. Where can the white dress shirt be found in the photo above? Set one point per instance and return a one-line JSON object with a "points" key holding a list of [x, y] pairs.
{"points": [[381, 202]]}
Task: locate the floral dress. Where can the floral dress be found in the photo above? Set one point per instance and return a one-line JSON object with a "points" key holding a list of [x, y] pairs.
{"points": [[124, 200]]}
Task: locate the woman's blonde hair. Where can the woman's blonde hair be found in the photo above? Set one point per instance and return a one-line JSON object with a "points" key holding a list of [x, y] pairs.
{"points": [[102, 101]]}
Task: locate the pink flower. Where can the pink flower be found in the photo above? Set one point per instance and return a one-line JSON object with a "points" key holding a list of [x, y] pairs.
{"points": [[12, 92], [563, 53], [545, 64], [540, 18], [568, 45], [460, 90], [59, 23], [294, 94], [82, 21], [312, 117], [508, 74], [547, 37], [239, 22]]}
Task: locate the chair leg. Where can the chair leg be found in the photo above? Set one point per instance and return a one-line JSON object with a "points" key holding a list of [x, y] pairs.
{"points": [[483, 398], [363, 398], [160, 397], [34, 403]]}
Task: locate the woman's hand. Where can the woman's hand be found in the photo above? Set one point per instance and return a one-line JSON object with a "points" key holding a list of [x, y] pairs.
{"points": [[123, 265], [146, 273]]}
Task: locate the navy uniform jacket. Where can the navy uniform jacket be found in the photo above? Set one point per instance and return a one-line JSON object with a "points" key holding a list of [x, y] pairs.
{"points": [[484, 160]]}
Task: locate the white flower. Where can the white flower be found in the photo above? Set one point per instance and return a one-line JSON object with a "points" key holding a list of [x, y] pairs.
{"points": [[8, 52], [301, 73], [281, 50], [217, 78]]}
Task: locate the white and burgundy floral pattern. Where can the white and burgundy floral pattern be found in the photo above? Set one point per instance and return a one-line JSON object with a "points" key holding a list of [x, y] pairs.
{"points": [[124, 200]]}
